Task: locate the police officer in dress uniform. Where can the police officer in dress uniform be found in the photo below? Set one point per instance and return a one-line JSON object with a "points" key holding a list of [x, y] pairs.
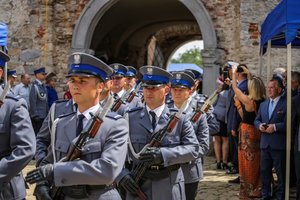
{"points": [[38, 100], [197, 102], [130, 84], [17, 140], [117, 84], [179, 146], [11, 77], [102, 157], [181, 90]]}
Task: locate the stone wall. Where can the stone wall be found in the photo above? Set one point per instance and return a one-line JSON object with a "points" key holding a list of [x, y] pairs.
{"points": [[40, 32]]}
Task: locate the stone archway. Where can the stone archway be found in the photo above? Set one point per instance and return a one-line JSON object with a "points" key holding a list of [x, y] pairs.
{"points": [[95, 10]]}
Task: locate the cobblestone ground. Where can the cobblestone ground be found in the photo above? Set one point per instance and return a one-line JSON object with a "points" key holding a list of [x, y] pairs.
{"points": [[214, 186]]}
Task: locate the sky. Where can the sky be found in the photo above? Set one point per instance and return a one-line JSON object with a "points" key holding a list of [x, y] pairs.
{"points": [[187, 46]]}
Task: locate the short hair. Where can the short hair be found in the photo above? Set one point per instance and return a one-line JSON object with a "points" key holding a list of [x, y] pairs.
{"points": [[279, 79], [296, 76]]}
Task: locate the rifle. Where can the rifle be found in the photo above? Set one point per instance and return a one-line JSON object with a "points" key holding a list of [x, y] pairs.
{"points": [[4, 93], [133, 93], [141, 168], [207, 104], [89, 131], [121, 100]]}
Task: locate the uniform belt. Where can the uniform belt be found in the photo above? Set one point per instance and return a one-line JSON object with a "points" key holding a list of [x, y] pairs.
{"points": [[156, 172], [83, 191]]}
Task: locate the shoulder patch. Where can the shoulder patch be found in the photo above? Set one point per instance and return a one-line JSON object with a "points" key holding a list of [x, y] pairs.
{"points": [[113, 115], [65, 115], [135, 109]]}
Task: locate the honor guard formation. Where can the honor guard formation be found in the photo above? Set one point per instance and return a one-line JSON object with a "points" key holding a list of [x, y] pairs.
{"points": [[125, 132]]}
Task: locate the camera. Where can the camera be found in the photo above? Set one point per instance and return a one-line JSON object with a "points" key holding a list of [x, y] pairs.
{"points": [[225, 75]]}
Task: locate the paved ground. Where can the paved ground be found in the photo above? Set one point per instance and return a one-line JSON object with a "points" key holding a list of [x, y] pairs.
{"points": [[214, 186]]}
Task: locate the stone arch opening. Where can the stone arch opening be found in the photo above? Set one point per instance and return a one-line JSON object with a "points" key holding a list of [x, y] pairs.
{"points": [[120, 31]]}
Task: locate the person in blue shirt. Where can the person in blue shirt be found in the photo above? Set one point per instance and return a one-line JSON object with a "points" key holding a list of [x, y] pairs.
{"points": [[51, 83]]}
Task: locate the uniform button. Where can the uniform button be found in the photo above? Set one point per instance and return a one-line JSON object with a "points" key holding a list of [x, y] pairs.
{"points": [[59, 147]]}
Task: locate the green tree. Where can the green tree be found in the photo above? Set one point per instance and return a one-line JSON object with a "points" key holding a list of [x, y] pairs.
{"points": [[190, 56]]}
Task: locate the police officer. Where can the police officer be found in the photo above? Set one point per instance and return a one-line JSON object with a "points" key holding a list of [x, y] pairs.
{"points": [[163, 178], [117, 85], [17, 140], [103, 156], [212, 121], [130, 78], [11, 77], [181, 90], [38, 99]]}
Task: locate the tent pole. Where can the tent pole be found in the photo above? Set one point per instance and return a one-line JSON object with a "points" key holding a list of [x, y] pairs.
{"points": [[269, 60], [288, 122]]}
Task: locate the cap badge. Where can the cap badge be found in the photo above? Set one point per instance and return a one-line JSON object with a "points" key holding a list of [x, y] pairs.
{"points": [[116, 67], [178, 76], [150, 71], [77, 59]]}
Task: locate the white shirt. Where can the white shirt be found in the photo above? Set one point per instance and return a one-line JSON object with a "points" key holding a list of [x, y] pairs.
{"points": [[87, 115], [158, 111]]}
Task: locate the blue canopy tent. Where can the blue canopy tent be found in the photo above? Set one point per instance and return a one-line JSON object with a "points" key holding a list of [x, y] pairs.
{"points": [[281, 28]]}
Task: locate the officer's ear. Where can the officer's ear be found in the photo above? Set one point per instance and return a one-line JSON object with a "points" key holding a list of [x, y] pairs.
{"points": [[167, 89], [1, 72]]}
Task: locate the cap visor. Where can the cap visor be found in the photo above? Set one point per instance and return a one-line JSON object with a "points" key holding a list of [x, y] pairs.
{"points": [[79, 74], [4, 55], [179, 86]]}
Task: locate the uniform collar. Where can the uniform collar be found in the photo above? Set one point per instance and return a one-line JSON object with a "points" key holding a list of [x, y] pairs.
{"points": [[158, 111], [88, 111]]}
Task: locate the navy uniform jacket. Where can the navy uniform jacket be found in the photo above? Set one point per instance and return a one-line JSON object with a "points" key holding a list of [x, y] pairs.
{"points": [[193, 171], [17, 147], [180, 146], [276, 140], [38, 100], [102, 157], [43, 137]]}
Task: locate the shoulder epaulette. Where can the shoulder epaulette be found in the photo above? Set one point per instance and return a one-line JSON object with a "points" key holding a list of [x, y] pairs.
{"points": [[61, 100], [65, 115], [173, 110], [16, 98], [135, 109], [113, 115]]}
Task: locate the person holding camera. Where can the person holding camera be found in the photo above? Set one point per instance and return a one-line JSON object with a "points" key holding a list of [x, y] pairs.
{"points": [[249, 136]]}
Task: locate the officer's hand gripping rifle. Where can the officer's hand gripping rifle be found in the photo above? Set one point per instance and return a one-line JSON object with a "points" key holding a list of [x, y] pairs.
{"points": [[207, 104], [89, 131], [141, 168], [4, 93]]}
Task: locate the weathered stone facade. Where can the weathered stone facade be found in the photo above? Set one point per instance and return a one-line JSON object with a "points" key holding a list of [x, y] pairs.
{"points": [[40, 33]]}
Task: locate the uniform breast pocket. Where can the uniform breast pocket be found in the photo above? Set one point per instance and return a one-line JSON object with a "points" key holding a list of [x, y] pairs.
{"points": [[138, 142], [92, 150], [61, 149]]}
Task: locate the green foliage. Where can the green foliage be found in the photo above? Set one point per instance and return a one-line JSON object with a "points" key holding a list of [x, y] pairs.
{"points": [[190, 56]]}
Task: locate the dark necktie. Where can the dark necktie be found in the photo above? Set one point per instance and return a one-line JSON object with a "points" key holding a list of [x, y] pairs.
{"points": [[153, 120], [79, 124], [116, 96]]}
